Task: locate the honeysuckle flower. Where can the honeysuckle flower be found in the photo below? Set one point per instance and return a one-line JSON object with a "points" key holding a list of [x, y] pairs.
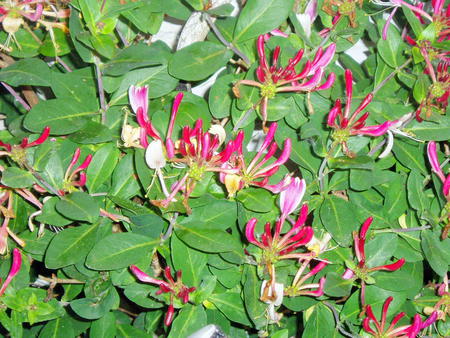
{"points": [[15, 268], [307, 18], [291, 197], [276, 246], [361, 270], [75, 178], [154, 155], [275, 79], [319, 245], [175, 288], [346, 124], [379, 330], [436, 167], [18, 152], [259, 170], [299, 288]]}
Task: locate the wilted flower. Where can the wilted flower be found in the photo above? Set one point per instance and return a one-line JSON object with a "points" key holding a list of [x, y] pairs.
{"points": [[378, 329], [275, 79], [174, 288], [272, 293]]}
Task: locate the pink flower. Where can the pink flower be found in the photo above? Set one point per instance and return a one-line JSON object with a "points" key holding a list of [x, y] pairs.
{"points": [[291, 197], [175, 288], [435, 166], [15, 267], [378, 329], [259, 170], [275, 79], [24, 144], [346, 124]]}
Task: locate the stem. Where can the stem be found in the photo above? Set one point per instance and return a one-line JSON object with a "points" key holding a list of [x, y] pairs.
{"points": [[101, 91], [16, 96], [62, 63], [41, 179], [339, 325], [224, 41], [390, 76], [60, 280], [122, 38], [243, 119], [376, 148], [170, 228]]}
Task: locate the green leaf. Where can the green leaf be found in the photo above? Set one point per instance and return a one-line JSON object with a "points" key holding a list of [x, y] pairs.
{"points": [[344, 162], [407, 152], [231, 305], [31, 72], [431, 130], [118, 251], [94, 308], [416, 194], [255, 199], [208, 240], [79, 206], [391, 48], [70, 246], [320, 322], [336, 286], [435, 252], [255, 308], [190, 319], [104, 327], [380, 249], [198, 60], [137, 56], [58, 328], [62, 115], [188, 260], [91, 133], [102, 166], [14, 177], [157, 78], [220, 98], [124, 181], [413, 21], [339, 219], [259, 17], [55, 44]]}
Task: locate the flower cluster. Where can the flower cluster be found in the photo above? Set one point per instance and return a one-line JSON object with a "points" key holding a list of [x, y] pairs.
{"points": [[378, 329], [346, 124], [275, 79], [174, 288], [18, 152]]}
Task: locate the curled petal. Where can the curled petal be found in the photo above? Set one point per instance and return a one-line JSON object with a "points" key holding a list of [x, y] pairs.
{"points": [[348, 274], [138, 97], [41, 139], [390, 267], [388, 23], [332, 115], [365, 227], [376, 130], [143, 277], [154, 155], [328, 83], [250, 232], [15, 268], [446, 187], [175, 108], [366, 326]]}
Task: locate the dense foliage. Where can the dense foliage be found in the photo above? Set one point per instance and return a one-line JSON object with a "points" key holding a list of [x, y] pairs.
{"points": [[305, 194]]}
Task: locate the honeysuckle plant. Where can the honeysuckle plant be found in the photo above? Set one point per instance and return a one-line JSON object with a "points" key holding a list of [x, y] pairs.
{"points": [[212, 182]]}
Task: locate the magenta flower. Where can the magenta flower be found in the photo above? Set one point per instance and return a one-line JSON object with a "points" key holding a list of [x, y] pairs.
{"points": [[435, 166], [15, 267], [274, 79], [346, 124], [174, 288], [276, 246], [260, 169], [17, 152], [378, 329]]}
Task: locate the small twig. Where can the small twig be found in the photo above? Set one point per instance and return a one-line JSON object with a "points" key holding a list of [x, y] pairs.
{"points": [[390, 76], [121, 309], [16, 96], [101, 91], [60, 281], [243, 119], [376, 148], [223, 40], [339, 325], [122, 38], [114, 217], [170, 228], [41, 180], [62, 63]]}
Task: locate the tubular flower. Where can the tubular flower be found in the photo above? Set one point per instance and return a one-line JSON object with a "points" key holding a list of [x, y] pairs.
{"points": [[436, 167], [291, 197], [259, 171], [346, 125], [274, 79], [15, 268], [361, 270], [70, 177], [18, 152], [174, 288], [378, 329], [442, 306], [276, 246], [299, 288], [196, 150]]}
